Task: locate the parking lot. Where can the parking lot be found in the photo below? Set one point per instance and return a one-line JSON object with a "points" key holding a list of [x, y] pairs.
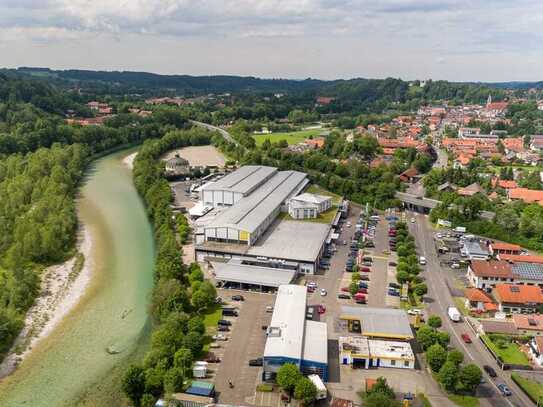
{"points": [[246, 341]]}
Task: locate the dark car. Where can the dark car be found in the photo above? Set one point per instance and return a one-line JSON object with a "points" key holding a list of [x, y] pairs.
{"points": [[344, 296], [394, 293], [394, 285], [504, 389], [490, 371], [364, 277], [362, 284], [370, 244], [224, 322], [223, 328], [392, 264], [256, 362], [238, 298], [212, 358]]}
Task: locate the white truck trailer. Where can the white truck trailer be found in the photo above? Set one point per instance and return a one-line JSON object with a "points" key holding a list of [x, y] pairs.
{"points": [[322, 393], [454, 314]]}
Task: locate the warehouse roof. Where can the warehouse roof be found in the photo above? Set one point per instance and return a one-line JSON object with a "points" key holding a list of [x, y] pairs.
{"points": [[244, 180], [380, 322], [250, 212], [474, 248], [315, 342], [311, 198], [287, 239], [237, 272], [285, 331]]}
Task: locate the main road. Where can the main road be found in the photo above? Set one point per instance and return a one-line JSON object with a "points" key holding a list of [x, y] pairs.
{"points": [[227, 136], [438, 299]]}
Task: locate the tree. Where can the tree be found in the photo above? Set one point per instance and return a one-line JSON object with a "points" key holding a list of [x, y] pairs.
{"points": [[443, 338], [353, 288], [381, 386], [287, 377], [434, 321], [455, 356], [173, 380], [305, 390], [194, 342], [204, 296], [133, 384], [426, 336], [436, 356], [379, 400], [147, 400], [448, 375], [470, 377], [421, 289], [183, 359]]}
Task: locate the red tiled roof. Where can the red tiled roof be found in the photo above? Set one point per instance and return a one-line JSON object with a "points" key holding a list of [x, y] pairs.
{"points": [[526, 195], [491, 268], [489, 306], [517, 258], [518, 294], [505, 246], [476, 295], [523, 321]]}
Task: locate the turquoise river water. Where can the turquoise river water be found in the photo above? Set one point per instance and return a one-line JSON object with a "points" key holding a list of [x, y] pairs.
{"points": [[112, 315]]}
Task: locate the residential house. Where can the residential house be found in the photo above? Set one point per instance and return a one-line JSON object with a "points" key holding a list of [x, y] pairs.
{"points": [[486, 274], [477, 300], [410, 175], [512, 258], [513, 298], [497, 248], [528, 324], [470, 190], [526, 195]]}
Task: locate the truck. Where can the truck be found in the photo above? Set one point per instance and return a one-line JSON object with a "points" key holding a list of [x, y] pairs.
{"points": [[454, 314], [460, 229], [322, 393]]}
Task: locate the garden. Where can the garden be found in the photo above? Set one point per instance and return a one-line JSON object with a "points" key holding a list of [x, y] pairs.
{"points": [[506, 349]]}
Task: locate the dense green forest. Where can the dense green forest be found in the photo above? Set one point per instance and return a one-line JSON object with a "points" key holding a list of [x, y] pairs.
{"points": [[42, 161]]}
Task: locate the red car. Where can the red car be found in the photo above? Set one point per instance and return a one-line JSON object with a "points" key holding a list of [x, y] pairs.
{"points": [[365, 269], [345, 289], [362, 290], [466, 338], [392, 233], [321, 309]]}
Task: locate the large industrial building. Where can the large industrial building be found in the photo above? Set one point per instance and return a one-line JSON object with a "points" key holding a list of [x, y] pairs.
{"points": [[293, 339], [245, 226]]}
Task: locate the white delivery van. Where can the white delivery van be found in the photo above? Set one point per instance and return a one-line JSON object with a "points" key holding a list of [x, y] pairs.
{"points": [[322, 393]]}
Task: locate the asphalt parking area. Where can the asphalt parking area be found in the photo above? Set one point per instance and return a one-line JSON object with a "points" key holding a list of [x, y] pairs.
{"points": [[246, 341]]}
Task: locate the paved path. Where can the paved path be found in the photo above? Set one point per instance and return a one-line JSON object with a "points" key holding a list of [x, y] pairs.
{"points": [[227, 136], [438, 300]]}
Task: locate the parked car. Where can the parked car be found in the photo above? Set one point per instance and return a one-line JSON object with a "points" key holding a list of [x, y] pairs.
{"points": [[343, 296], [223, 328], [238, 298], [466, 338], [362, 284], [212, 358], [393, 293], [504, 389], [214, 345], [370, 244], [490, 371], [365, 269], [414, 311], [412, 220], [345, 289], [321, 309], [362, 290], [224, 322], [364, 277], [323, 292], [360, 300], [455, 266], [394, 285], [219, 337], [269, 308], [256, 362]]}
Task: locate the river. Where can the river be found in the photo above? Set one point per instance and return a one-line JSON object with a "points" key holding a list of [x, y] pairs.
{"points": [[112, 314]]}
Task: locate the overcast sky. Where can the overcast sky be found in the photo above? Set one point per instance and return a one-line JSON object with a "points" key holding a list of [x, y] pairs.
{"points": [[466, 40]]}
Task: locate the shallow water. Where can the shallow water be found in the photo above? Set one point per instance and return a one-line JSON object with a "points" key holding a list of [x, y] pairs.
{"points": [[112, 314]]}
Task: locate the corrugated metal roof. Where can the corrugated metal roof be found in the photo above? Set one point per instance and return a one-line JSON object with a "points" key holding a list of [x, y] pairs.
{"points": [[381, 322], [250, 212], [285, 332], [315, 342], [244, 180], [242, 273]]}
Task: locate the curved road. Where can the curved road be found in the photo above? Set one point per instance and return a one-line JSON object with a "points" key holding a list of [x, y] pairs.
{"points": [[227, 136]]}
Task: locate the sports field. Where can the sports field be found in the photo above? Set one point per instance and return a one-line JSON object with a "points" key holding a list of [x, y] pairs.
{"points": [[294, 137]]}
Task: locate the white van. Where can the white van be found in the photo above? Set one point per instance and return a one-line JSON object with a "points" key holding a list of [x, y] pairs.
{"points": [[422, 260]]}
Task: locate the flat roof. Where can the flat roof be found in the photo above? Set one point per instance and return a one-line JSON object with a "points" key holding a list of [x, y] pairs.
{"points": [[474, 248], [244, 180], [288, 239], [380, 322], [236, 272], [315, 342], [250, 212], [285, 331]]}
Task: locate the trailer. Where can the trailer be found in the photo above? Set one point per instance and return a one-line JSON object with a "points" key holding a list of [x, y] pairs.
{"points": [[454, 314]]}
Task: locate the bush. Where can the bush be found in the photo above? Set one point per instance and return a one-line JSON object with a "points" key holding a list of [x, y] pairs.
{"points": [[264, 388]]}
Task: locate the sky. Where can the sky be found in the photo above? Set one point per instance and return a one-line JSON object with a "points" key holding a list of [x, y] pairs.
{"points": [[459, 40]]}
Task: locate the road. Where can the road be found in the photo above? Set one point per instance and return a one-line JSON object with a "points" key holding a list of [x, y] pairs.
{"points": [[439, 299], [227, 136]]}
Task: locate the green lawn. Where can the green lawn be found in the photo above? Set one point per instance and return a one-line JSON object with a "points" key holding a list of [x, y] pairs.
{"points": [[211, 318], [510, 354], [531, 387], [293, 137], [460, 303], [464, 401]]}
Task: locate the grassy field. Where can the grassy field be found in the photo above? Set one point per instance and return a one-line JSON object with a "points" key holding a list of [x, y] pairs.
{"points": [[531, 387], [464, 401], [510, 354], [294, 137]]}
